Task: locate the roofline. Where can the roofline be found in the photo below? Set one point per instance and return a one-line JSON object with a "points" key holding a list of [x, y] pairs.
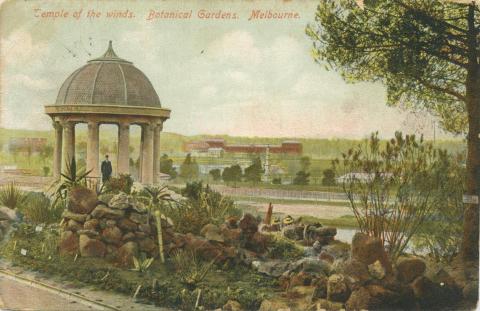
{"points": [[58, 110]]}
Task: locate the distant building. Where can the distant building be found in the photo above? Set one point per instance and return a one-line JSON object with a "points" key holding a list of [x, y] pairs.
{"points": [[217, 145], [26, 144]]}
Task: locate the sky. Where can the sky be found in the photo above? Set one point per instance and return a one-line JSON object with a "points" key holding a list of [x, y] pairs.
{"points": [[238, 76]]}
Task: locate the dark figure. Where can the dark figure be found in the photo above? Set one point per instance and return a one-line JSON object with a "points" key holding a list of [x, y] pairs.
{"points": [[106, 169]]}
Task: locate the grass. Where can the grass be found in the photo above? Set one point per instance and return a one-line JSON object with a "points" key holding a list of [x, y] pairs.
{"points": [[160, 284]]}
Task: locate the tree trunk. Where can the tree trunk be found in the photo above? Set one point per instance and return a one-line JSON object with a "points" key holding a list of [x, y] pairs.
{"points": [[471, 215]]}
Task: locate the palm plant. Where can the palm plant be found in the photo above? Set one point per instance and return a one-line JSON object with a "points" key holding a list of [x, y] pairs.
{"points": [[72, 176], [11, 196], [190, 269]]}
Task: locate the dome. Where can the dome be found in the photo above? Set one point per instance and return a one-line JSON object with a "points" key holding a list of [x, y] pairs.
{"points": [[108, 81]]}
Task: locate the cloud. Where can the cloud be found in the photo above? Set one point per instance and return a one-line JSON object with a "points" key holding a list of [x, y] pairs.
{"points": [[30, 83], [19, 49], [237, 47]]}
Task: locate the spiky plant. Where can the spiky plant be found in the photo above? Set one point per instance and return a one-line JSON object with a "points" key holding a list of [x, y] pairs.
{"points": [[11, 196]]}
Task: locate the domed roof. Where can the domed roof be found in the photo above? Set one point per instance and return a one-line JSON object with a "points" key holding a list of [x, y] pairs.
{"points": [[108, 80]]}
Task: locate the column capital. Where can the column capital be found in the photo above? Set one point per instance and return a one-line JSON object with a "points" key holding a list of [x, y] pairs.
{"points": [[93, 124], [57, 125], [67, 124], [123, 125]]}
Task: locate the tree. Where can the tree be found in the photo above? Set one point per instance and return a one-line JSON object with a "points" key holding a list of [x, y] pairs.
{"points": [[426, 53], [305, 163], [46, 151], [254, 172], [216, 174], [302, 178], [328, 177], [166, 166], [189, 168], [232, 174]]}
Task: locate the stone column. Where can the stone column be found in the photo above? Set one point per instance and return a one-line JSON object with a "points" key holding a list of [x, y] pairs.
{"points": [[140, 154], [123, 163], [156, 152], [68, 142], [92, 148], [147, 154], [57, 152]]}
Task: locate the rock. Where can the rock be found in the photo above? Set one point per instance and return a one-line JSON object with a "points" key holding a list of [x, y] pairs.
{"points": [[367, 250], [323, 304], [257, 243], [231, 236], [139, 218], [81, 200], [248, 224], [338, 250], [373, 297], [376, 270], [208, 250], [273, 268], [232, 222], [120, 201], [127, 225], [272, 305], [69, 243], [112, 235], [8, 214], [145, 228], [326, 256], [130, 236], [409, 269], [91, 224], [300, 279], [75, 216], [102, 211], [91, 247], [320, 284], [140, 235], [110, 223], [293, 232], [356, 270], [73, 225], [105, 198], [90, 233], [147, 245], [470, 291], [311, 266], [337, 288], [232, 305], [212, 233], [432, 295], [126, 253]]}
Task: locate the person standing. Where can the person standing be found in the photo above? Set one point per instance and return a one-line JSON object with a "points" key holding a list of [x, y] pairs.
{"points": [[106, 169]]}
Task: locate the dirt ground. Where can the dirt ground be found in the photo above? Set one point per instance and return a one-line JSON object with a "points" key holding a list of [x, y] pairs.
{"points": [[320, 211]]}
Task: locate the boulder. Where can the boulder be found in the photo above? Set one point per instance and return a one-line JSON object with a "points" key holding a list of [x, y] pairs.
{"points": [[231, 236], [293, 232], [320, 284], [139, 218], [372, 297], [148, 245], [91, 224], [126, 253], [248, 224], [112, 235], [212, 233], [273, 305], [431, 294], [338, 250], [232, 222], [300, 279], [110, 223], [356, 270], [208, 250], [69, 244], [91, 247], [337, 288], [409, 269], [81, 200], [232, 305], [90, 233], [273, 268], [367, 250], [324, 304], [145, 228], [8, 214], [120, 201], [326, 257], [470, 291], [127, 225], [102, 211], [311, 266], [376, 270], [257, 243], [73, 225], [130, 236], [75, 216]]}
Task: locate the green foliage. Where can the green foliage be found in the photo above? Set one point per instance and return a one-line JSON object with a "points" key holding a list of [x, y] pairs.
{"points": [[190, 269], [277, 181], [142, 264], [441, 234], [203, 206], [189, 168], [166, 166], [232, 174], [254, 172], [216, 174], [328, 177], [38, 209], [122, 183], [11, 196], [72, 176], [305, 163], [46, 171], [410, 46], [302, 178], [390, 187], [284, 249]]}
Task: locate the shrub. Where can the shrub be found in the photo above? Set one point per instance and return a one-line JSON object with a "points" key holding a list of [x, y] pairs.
{"points": [[390, 187], [122, 183], [203, 206], [190, 269], [328, 177], [11, 196], [284, 249], [38, 209]]}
